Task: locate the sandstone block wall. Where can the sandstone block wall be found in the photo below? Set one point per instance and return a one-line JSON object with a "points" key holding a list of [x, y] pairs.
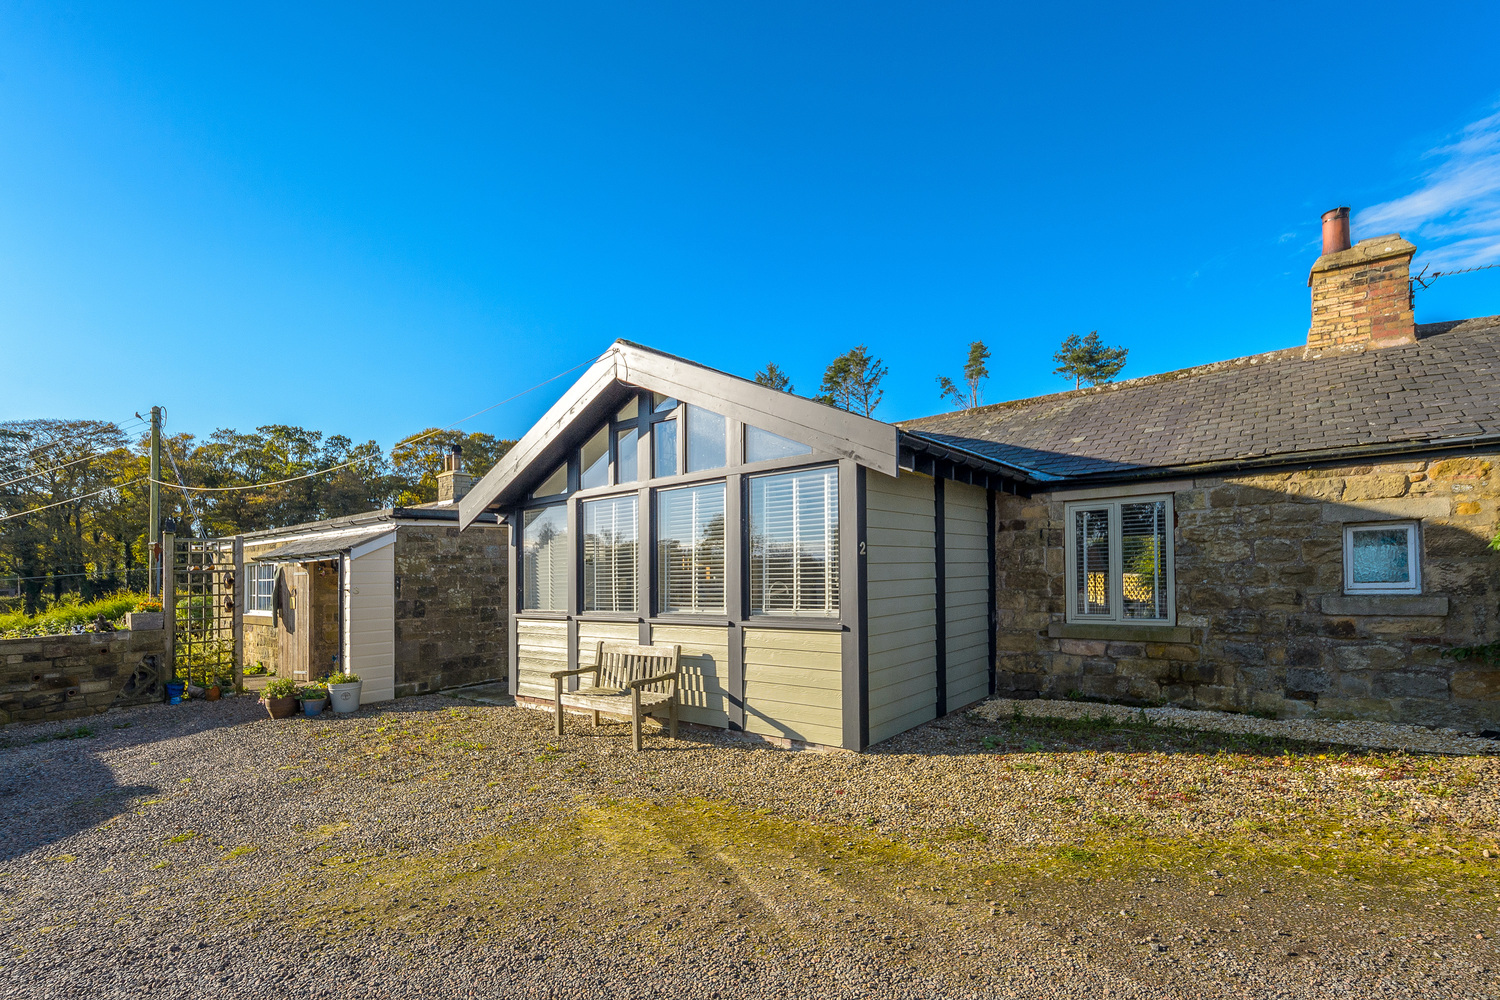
{"points": [[1262, 620], [260, 641], [69, 676], [451, 600]]}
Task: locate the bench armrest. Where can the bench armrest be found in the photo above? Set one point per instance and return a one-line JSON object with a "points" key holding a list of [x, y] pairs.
{"points": [[655, 679], [558, 674]]}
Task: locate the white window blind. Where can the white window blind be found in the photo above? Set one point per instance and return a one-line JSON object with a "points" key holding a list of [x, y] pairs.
{"points": [[1120, 560], [260, 586], [794, 554], [544, 559], [690, 549], [610, 530]]}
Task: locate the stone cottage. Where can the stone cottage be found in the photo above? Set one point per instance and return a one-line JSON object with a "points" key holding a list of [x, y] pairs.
{"points": [[1304, 532], [396, 596]]}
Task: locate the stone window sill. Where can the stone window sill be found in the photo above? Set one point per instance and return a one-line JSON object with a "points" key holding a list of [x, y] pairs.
{"points": [[1386, 605], [1121, 633]]}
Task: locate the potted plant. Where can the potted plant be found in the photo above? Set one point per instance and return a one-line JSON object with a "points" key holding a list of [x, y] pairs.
{"points": [[280, 697], [314, 697], [344, 690], [147, 616]]}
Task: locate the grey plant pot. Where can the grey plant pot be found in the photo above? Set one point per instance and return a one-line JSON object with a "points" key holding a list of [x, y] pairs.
{"points": [[345, 696]]}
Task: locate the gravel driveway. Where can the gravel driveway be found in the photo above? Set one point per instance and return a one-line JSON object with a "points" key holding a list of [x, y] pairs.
{"points": [[440, 848]]}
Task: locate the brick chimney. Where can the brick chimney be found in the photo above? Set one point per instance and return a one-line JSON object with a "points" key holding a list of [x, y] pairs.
{"points": [[1361, 295], [453, 482]]}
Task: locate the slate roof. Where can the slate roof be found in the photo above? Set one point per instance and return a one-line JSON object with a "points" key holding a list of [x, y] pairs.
{"points": [[1441, 389]]}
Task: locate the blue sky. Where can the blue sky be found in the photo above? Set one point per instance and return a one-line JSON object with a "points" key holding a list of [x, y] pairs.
{"points": [[370, 219]]}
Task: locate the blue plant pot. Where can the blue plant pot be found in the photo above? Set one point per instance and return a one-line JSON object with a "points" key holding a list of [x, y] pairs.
{"points": [[313, 708], [174, 692]]}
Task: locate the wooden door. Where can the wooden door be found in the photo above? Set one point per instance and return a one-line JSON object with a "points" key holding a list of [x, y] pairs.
{"points": [[294, 634]]}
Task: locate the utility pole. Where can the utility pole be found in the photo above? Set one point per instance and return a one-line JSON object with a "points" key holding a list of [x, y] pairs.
{"points": [[153, 530]]}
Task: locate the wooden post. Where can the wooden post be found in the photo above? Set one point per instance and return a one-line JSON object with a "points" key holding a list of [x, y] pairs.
{"points": [[169, 601], [239, 595]]}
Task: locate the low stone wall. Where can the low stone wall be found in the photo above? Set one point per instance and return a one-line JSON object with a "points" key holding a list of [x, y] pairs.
{"points": [[69, 676], [1263, 623]]}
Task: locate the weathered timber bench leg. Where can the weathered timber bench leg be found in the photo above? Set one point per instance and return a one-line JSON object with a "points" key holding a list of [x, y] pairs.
{"points": [[635, 718], [672, 715], [558, 721], [596, 720]]}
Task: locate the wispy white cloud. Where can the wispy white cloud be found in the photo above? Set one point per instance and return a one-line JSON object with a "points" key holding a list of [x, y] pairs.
{"points": [[1455, 212]]}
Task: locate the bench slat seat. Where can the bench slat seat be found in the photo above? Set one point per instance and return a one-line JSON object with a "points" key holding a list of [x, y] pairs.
{"points": [[627, 679]]}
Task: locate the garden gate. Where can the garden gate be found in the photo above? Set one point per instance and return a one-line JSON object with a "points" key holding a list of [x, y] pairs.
{"points": [[201, 607]]}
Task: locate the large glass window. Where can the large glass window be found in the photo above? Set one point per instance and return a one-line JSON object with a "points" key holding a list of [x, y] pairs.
{"points": [[260, 586], [690, 549], [555, 484], [763, 446], [1120, 560], [794, 552], [595, 465], [705, 444], [627, 471], [610, 530], [544, 559], [664, 445], [1382, 559]]}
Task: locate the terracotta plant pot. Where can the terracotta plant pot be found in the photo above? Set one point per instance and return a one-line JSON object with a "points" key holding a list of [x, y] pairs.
{"points": [[213, 692], [281, 708]]}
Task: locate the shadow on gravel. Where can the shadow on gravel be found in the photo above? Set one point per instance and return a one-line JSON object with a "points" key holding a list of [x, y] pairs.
{"points": [[44, 804]]}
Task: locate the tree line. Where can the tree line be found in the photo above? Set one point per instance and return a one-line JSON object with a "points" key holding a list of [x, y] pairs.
{"points": [[83, 488], [852, 380]]}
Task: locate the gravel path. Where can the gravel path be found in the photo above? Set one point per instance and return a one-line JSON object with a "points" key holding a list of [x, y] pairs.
{"points": [[1377, 735], [439, 848]]}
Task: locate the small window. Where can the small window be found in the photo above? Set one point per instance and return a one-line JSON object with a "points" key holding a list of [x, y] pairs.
{"points": [[626, 469], [664, 445], [763, 446], [610, 530], [705, 443], [794, 543], [260, 586], [629, 411], [690, 549], [1119, 561], [661, 404], [544, 559], [1382, 559], [595, 464], [555, 484]]}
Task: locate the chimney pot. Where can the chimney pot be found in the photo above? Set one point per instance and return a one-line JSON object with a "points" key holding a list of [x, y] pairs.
{"points": [[1335, 230]]}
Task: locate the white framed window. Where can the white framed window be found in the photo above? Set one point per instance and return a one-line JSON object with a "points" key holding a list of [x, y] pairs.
{"points": [[1382, 558], [260, 586], [690, 550], [610, 530], [794, 543], [1119, 561]]}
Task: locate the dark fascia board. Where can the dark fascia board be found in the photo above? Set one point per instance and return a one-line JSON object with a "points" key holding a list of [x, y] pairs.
{"points": [[1284, 460], [827, 429], [972, 459]]}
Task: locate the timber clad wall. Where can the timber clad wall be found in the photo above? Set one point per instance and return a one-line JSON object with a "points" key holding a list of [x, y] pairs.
{"points": [[1262, 620], [542, 647], [900, 527], [372, 637], [705, 670], [966, 572], [793, 684]]}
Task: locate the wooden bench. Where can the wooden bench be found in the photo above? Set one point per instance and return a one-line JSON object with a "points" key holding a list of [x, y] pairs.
{"points": [[628, 679]]}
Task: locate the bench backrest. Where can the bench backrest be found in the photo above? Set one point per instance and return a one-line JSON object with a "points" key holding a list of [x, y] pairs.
{"points": [[618, 663]]}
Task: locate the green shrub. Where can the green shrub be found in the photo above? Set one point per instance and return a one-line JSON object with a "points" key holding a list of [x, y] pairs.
{"points": [[281, 687], [255, 669], [343, 679], [62, 617], [313, 692]]}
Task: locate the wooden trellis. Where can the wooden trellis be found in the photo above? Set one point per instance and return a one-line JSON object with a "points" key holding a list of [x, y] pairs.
{"points": [[202, 609]]}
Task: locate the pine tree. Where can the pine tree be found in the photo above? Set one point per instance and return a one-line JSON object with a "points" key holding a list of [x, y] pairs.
{"points": [[1088, 360], [852, 382], [976, 370], [773, 377]]}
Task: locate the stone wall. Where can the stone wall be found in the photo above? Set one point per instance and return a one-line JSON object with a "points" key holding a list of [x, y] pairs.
{"points": [[69, 676], [451, 600], [260, 641], [1262, 621]]}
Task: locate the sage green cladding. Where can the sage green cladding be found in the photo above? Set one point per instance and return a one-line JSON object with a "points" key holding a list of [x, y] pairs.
{"points": [[901, 602], [966, 586]]}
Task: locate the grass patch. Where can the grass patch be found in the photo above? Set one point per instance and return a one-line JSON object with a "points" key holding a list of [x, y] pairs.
{"points": [[62, 618], [182, 838]]}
